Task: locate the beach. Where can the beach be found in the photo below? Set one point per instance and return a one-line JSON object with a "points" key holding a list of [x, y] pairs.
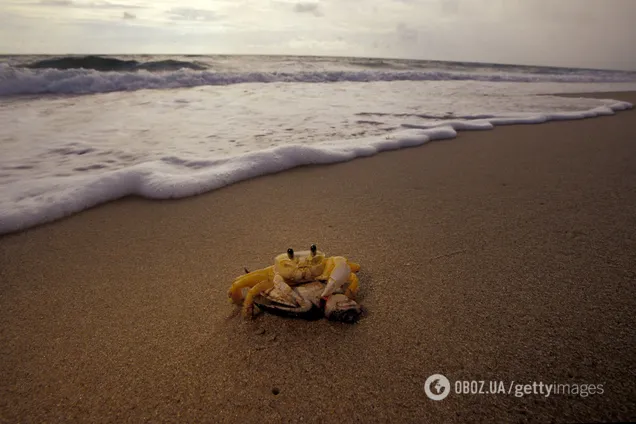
{"points": [[505, 255]]}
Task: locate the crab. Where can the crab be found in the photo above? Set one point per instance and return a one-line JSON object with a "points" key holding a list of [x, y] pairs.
{"points": [[300, 283]]}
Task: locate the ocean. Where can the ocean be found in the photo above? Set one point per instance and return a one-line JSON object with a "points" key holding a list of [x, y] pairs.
{"points": [[78, 131]]}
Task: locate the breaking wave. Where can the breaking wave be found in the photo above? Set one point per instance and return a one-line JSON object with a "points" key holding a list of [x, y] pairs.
{"points": [[29, 202], [109, 64], [60, 76]]}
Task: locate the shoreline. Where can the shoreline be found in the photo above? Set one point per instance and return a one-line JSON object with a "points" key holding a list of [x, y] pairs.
{"points": [[504, 255]]}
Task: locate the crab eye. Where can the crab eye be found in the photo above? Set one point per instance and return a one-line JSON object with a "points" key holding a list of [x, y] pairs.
{"points": [[290, 253], [313, 250]]}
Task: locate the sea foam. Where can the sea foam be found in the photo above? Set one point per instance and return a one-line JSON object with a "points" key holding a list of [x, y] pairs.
{"points": [[28, 202]]}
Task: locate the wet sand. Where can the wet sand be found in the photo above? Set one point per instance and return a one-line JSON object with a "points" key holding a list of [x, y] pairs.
{"points": [[505, 255]]}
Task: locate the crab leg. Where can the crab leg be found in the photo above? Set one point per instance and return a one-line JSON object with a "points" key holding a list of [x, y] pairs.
{"points": [[352, 290], [249, 280], [354, 266], [248, 303]]}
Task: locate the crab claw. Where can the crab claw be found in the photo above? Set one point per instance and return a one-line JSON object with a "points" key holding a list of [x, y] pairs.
{"points": [[339, 307], [338, 277]]}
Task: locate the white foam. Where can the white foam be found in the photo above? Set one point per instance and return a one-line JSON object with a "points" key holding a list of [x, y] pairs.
{"points": [[28, 202], [14, 81]]}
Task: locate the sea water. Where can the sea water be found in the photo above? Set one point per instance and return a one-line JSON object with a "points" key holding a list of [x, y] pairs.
{"points": [[79, 131]]}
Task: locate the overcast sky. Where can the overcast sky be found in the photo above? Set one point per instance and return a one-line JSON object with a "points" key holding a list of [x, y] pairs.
{"points": [[586, 33]]}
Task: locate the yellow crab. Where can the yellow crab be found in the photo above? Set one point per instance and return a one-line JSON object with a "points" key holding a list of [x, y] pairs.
{"points": [[295, 268]]}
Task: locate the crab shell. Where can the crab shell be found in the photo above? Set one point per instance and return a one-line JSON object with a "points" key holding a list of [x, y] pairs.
{"points": [[302, 267], [304, 301]]}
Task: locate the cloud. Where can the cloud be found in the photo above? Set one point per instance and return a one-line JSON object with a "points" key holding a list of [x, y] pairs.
{"points": [[407, 34], [56, 3], [307, 7], [192, 14], [451, 7], [87, 5], [590, 33]]}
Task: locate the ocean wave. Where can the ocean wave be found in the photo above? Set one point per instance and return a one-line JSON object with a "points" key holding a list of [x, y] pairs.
{"points": [[19, 80], [28, 202], [111, 64]]}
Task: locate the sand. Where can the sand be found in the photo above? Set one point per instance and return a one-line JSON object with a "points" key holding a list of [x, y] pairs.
{"points": [[505, 255]]}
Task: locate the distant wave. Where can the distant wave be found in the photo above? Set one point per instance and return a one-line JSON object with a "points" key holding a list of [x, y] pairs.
{"points": [[108, 64], [16, 80]]}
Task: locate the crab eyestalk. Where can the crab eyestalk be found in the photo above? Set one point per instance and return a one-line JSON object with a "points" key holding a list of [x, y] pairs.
{"points": [[313, 250], [290, 253]]}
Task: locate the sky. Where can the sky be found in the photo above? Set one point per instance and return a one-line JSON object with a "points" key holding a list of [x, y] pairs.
{"points": [[576, 33]]}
